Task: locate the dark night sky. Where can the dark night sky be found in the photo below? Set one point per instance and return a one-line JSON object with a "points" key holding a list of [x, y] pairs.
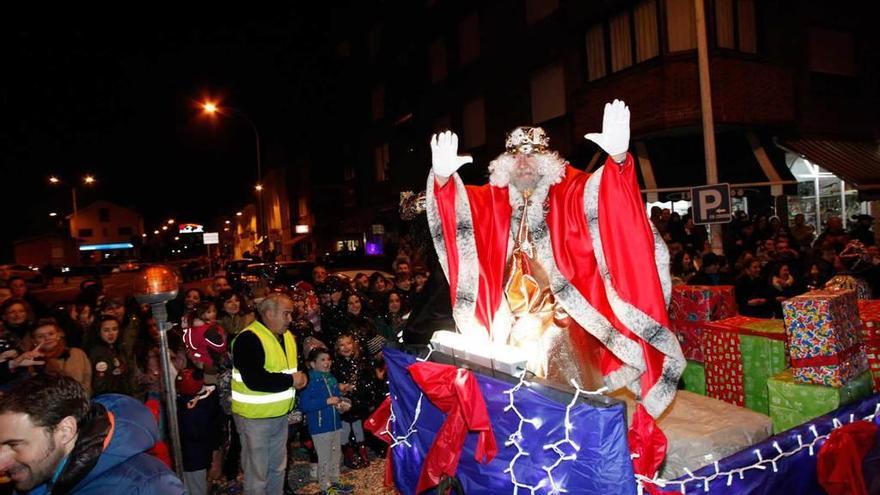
{"points": [[114, 93]]}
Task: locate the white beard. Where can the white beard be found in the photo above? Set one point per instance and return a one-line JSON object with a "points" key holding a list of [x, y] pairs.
{"points": [[549, 168]]}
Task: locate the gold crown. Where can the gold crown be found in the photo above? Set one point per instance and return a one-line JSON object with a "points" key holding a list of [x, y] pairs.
{"points": [[527, 140]]}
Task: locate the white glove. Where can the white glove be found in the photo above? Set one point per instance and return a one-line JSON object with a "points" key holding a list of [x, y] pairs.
{"points": [[444, 154], [615, 129]]}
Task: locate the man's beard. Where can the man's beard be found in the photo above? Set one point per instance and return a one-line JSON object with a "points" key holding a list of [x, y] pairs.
{"points": [[524, 182], [526, 172], [40, 471]]}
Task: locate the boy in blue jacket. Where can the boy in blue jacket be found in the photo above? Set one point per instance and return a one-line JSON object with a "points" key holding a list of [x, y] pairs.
{"points": [[321, 402]]}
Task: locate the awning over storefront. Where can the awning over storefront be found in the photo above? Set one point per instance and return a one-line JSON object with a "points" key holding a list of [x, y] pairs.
{"points": [[673, 164], [856, 162]]}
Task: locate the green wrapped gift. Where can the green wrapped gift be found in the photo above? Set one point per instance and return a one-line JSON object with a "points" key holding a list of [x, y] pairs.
{"points": [[763, 356], [794, 403], [762, 351], [694, 377]]}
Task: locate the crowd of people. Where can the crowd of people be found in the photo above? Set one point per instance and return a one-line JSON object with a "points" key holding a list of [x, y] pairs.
{"points": [[232, 358], [767, 260], [304, 363]]}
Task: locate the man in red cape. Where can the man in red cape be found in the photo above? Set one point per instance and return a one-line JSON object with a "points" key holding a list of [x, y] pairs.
{"points": [[564, 263]]}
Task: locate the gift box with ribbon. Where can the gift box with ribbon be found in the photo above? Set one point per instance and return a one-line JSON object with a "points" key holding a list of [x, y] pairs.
{"points": [[825, 343], [693, 305], [869, 324], [759, 354], [793, 403]]}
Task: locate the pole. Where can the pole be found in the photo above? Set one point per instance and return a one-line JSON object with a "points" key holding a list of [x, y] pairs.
{"points": [[210, 262], [817, 187], [260, 220], [73, 218], [708, 119], [161, 318]]}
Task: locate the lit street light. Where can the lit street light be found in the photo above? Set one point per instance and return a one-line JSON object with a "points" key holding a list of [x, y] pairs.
{"points": [[228, 222], [53, 214], [156, 232], [211, 109], [238, 213], [88, 180], [164, 227], [170, 221]]}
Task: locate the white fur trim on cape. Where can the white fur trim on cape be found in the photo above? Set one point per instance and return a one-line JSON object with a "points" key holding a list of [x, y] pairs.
{"points": [[468, 264], [661, 394]]}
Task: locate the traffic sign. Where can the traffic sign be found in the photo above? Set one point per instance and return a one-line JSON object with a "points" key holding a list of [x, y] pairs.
{"points": [[211, 237], [711, 204]]}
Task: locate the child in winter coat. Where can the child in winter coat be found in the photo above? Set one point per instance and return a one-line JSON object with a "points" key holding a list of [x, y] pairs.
{"points": [[110, 371], [358, 383], [321, 401]]}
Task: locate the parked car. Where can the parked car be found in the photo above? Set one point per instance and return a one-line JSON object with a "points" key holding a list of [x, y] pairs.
{"points": [[129, 266], [259, 278], [234, 270]]}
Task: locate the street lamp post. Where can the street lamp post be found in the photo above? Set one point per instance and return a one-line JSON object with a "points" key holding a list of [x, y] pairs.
{"points": [[87, 180], [211, 108]]}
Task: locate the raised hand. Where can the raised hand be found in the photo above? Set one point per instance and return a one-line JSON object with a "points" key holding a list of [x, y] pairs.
{"points": [[444, 154], [614, 138]]}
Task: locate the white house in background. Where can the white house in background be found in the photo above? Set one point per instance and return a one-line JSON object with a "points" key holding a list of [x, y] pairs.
{"points": [[103, 226]]}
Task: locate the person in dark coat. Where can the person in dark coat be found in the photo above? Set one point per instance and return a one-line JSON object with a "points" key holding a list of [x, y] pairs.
{"points": [[751, 292], [709, 274], [68, 445]]}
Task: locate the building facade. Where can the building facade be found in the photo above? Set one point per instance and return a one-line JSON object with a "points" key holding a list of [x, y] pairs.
{"points": [[782, 73]]}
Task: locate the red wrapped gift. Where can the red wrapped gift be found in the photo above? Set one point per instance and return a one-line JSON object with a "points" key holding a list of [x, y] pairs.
{"points": [[869, 318], [869, 325], [690, 337], [724, 365], [691, 306], [702, 302]]}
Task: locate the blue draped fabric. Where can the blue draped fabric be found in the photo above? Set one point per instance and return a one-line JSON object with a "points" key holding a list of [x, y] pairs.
{"points": [[796, 475], [602, 464]]}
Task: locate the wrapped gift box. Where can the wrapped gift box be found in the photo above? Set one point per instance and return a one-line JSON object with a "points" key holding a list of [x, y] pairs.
{"points": [[694, 378], [702, 302], [690, 306], [690, 337], [724, 368], [869, 319], [825, 343], [762, 352], [793, 403]]}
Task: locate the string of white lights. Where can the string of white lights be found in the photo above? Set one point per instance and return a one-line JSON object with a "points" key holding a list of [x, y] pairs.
{"points": [[404, 439], [761, 464], [517, 436]]}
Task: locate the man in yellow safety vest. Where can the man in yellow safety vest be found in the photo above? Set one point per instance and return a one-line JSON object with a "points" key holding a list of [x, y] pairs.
{"points": [[264, 379]]}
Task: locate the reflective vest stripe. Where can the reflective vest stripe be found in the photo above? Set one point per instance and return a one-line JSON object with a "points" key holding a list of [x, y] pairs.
{"points": [[237, 376], [262, 399]]}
